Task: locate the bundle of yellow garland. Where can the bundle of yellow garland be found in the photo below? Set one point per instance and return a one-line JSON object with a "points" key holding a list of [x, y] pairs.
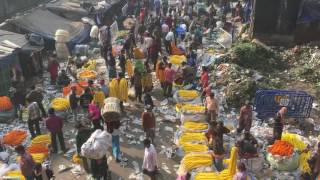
{"points": [[188, 94], [84, 74], [42, 139], [15, 175], [129, 68], [123, 90], [98, 98], [294, 140], [14, 137], [192, 137], [189, 148], [192, 108], [207, 176], [303, 162], [195, 160], [195, 126], [60, 104], [297, 143], [114, 88], [232, 165]]}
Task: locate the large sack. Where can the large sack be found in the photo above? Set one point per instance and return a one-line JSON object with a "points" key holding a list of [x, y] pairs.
{"points": [[111, 109], [138, 53], [97, 145], [94, 33], [62, 36], [62, 51], [284, 163], [192, 117], [6, 116]]}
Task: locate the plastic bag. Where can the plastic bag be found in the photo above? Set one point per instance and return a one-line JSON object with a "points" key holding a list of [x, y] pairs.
{"points": [[284, 163], [192, 117], [97, 145], [6, 116]]}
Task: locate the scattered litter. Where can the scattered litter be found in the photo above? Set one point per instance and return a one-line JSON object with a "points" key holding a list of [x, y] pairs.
{"points": [[164, 102], [167, 128]]}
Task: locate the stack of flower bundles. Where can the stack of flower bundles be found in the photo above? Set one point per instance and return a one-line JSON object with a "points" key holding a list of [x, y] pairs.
{"points": [[190, 126], [195, 160], [194, 138], [281, 156], [42, 139], [298, 144], [192, 109], [184, 96]]}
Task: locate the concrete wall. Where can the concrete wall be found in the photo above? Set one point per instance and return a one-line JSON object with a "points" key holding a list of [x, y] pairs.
{"points": [[275, 16], [10, 7]]}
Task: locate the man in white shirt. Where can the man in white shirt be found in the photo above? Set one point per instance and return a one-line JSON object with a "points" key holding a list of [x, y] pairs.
{"points": [[149, 165], [168, 40], [148, 42]]}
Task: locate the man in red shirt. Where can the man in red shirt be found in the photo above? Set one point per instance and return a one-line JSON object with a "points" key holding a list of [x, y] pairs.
{"points": [[149, 123], [204, 79], [169, 21], [54, 124], [169, 75], [142, 16]]}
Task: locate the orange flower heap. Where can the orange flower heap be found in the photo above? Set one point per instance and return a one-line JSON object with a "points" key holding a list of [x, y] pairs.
{"points": [[281, 148], [38, 148], [14, 137]]}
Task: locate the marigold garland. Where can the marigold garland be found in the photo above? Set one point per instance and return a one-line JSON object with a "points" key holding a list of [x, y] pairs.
{"points": [[281, 148], [14, 137]]}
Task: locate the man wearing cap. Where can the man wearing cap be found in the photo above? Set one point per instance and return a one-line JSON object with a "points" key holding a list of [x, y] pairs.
{"points": [[245, 119], [149, 123], [35, 95]]}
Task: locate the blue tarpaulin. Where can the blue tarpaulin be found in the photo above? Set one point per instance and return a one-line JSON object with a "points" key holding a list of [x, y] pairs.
{"points": [[8, 60], [309, 11]]}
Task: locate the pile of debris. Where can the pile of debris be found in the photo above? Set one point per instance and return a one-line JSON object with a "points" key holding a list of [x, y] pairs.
{"points": [[247, 67], [304, 61], [254, 56]]}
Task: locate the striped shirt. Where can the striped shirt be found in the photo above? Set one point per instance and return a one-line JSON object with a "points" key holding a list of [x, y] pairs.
{"points": [[33, 111]]}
